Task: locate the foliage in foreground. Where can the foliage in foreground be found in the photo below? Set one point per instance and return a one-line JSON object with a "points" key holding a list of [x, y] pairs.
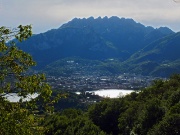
{"points": [[153, 111], [18, 118]]}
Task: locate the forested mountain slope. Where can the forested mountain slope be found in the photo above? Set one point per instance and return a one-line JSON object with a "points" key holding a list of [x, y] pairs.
{"points": [[160, 58], [90, 38]]}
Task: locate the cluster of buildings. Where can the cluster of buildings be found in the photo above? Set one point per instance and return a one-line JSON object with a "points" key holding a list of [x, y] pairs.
{"points": [[77, 82]]}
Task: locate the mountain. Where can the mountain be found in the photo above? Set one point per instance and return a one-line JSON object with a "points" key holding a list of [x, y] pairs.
{"points": [[93, 39], [160, 58]]}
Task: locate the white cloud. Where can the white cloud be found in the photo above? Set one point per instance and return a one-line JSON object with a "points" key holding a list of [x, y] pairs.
{"points": [[47, 14]]}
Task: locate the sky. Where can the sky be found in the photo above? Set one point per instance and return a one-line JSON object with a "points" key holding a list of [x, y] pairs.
{"points": [[51, 14]]}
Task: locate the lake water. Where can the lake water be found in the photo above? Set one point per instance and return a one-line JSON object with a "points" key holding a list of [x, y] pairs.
{"points": [[13, 97], [111, 93]]}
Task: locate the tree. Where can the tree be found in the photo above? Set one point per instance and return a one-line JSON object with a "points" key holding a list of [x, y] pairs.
{"points": [[168, 126], [18, 118], [70, 122], [106, 113]]}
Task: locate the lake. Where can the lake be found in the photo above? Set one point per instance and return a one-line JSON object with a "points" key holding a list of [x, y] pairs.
{"points": [[13, 97], [111, 93]]}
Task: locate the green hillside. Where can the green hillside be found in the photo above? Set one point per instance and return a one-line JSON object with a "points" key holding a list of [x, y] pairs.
{"points": [[160, 58]]}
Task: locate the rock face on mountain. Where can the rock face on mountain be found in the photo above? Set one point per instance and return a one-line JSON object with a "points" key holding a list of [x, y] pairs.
{"points": [[94, 39]]}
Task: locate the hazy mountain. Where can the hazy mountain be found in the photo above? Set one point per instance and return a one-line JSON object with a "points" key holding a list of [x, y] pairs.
{"points": [[94, 39]]}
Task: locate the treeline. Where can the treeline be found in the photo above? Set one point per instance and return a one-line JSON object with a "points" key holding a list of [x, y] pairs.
{"points": [[153, 111]]}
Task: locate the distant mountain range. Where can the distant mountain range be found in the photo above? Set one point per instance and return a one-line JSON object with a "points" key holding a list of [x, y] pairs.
{"points": [[135, 47]]}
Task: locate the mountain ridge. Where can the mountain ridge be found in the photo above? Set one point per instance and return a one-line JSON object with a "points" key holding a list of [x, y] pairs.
{"points": [[93, 39]]}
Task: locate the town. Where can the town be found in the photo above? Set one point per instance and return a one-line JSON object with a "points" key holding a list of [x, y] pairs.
{"points": [[77, 82]]}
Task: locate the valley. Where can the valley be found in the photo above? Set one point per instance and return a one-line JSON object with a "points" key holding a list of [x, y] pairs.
{"points": [[89, 67]]}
